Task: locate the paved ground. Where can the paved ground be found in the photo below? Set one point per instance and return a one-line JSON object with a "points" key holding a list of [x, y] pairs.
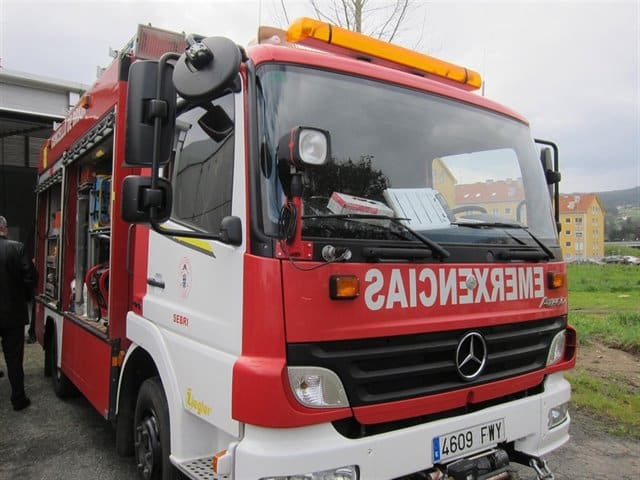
{"points": [[62, 440], [55, 439]]}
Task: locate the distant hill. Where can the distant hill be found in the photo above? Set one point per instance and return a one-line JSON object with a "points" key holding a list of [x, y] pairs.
{"points": [[616, 198]]}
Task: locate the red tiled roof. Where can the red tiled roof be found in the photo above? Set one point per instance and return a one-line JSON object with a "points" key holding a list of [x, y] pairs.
{"points": [[577, 203], [490, 191]]}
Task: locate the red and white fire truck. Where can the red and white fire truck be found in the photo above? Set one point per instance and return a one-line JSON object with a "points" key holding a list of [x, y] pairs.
{"points": [[322, 257]]}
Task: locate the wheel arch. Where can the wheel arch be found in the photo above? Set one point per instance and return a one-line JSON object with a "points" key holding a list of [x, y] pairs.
{"points": [[145, 358], [137, 367], [149, 356]]}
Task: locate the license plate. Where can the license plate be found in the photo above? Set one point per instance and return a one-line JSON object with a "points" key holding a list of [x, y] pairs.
{"points": [[457, 443]]}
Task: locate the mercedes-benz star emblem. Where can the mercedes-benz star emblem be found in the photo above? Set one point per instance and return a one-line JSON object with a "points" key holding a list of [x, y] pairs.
{"points": [[471, 356], [472, 282]]}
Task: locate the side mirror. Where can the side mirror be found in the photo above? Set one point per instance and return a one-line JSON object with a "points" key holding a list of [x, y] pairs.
{"points": [[138, 197], [206, 69], [143, 107], [551, 170], [550, 173], [304, 147]]}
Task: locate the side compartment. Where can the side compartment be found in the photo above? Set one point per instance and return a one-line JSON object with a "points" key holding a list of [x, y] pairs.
{"points": [[86, 361], [74, 248]]}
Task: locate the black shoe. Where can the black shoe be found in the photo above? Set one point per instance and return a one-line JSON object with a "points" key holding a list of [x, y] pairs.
{"points": [[1, 374], [31, 339], [21, 404]]}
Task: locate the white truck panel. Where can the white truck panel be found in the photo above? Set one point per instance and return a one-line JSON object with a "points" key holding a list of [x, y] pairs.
{"points": [[265, 452]]}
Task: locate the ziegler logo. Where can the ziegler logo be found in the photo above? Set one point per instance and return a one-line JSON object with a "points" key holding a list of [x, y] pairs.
{"points": [[552, 302], [197, 406]]}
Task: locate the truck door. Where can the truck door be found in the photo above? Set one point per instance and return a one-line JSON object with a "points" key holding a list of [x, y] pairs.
{"points": [[194, 285]]}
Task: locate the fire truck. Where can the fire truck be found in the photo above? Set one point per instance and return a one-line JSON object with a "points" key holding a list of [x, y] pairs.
{"points": [[320, 257]]}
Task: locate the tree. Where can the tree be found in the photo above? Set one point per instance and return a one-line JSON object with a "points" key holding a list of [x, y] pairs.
{"points": [[354, 178], [376, 18]]}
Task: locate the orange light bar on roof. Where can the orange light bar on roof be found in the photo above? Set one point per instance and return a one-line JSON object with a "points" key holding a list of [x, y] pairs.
{"points": [[314, 33]]}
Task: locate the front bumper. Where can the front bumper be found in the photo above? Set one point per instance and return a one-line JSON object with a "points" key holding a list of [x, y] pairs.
{"points": [[267, 452]]}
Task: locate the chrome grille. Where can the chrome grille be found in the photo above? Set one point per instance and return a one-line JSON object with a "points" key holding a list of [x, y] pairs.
{"points": [[388, 369]]}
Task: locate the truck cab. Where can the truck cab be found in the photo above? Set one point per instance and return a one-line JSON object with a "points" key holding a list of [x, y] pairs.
{"points": [[334, 260]]}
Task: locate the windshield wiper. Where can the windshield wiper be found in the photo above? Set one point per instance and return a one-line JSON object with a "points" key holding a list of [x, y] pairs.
{"points": [[515, 225], [435, 247]]}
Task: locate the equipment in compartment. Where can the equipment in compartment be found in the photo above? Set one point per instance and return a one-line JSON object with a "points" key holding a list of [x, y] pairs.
{"points": [[52, 202], [97, 283], [51, 267], [100, 202], [93, 238]]}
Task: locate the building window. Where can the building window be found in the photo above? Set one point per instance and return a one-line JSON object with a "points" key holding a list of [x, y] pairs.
{"points": [[578, 219], [74, 98], [507, 210], [567, 244], [578, 234]]}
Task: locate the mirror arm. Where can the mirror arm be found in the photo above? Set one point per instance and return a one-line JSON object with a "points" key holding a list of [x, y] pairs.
{"points": [[556, 186], [159, 113], [152, 197], [158, 109]]}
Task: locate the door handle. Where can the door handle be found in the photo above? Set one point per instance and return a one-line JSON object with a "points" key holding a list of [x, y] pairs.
{"points": [[155, 283]]}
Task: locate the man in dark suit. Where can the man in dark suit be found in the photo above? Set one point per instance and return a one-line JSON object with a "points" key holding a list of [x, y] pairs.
{"points": [[16, 289]]}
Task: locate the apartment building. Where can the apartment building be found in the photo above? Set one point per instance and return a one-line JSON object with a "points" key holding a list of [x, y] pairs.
{"points": [[582, 222], [581, 215]]}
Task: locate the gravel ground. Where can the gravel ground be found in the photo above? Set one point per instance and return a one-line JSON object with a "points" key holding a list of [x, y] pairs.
{"points": [[55, 439]]}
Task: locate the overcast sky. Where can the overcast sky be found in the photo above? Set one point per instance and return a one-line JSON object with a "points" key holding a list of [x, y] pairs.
{"points": [[571, 68]]}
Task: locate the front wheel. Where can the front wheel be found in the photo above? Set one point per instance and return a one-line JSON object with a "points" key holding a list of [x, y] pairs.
{"points": [[152, 434]]}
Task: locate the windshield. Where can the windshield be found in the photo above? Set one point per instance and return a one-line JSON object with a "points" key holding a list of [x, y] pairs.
{"points": [[437, 164]]}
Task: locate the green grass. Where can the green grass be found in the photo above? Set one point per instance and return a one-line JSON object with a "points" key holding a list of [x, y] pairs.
{"points": [[604, 306], [618, 330], [612, 400], [603, 278], [604, 303], [633, 212], [620, 250]]}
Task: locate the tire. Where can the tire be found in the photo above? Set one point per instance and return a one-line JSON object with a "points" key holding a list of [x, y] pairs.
{"points": [[47, 357], [62, 386], [152, 432]]}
